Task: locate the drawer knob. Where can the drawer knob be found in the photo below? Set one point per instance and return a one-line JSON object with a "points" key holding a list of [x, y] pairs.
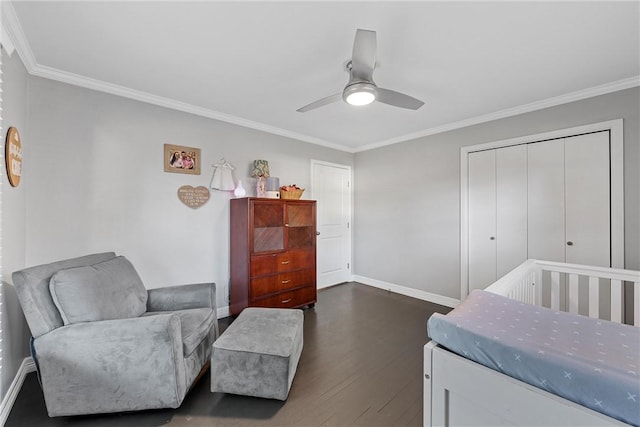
{"points": [[286, 301], [285, 262], [284, 282]]}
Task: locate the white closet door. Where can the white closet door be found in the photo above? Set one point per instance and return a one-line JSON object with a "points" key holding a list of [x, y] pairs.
{"points": [[511, 208], [482, 219], [587, 187], [546, 200]]}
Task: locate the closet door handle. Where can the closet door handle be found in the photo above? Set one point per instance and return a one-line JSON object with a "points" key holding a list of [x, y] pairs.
{"points": [[492, 238], [569, 243]]}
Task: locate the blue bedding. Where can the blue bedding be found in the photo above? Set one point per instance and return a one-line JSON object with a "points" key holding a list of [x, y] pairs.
{"points": [[592, 362]]}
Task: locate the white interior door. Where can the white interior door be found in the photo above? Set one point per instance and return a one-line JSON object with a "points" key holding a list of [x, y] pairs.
{"points": [[331, 188], [546, 201], [588, 220], [511, 208], [482, 219]]}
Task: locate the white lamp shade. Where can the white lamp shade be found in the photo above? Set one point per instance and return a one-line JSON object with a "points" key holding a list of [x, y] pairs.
{"points": [[222, 178]]}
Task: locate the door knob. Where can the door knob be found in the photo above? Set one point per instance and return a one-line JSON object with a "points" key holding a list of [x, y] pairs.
{"points": [[492, 238], [569, 243], [317, 233]]}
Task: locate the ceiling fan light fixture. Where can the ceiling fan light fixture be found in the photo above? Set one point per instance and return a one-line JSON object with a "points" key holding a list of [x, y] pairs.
{"points": [[359, 94], [360, 98], [361, 89]]}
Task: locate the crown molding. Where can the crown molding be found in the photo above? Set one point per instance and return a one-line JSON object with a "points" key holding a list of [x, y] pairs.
{"points": [[11, 27], [98, 85], [113, 89], [526, 108], [6, 43]]}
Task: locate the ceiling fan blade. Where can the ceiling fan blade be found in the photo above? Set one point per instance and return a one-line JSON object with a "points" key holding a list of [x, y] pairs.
{"points": [[363, 59], [320, 102], [398, 99]]}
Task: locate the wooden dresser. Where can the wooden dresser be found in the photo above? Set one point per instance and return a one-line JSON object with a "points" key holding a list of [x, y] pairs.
{"points": [[273, 253]]}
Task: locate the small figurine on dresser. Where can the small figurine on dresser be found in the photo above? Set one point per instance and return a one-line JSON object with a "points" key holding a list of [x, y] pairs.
{"points": [[261, 172]]}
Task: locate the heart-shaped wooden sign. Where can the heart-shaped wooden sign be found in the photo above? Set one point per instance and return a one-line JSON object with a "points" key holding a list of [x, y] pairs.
{"points": [[193, 197]]}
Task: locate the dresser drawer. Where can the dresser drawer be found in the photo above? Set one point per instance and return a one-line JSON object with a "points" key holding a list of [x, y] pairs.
{"points": [[281, 262], [297, 298], [295, 260], [266, 285]]}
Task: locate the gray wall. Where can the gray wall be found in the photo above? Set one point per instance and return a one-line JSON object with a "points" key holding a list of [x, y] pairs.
{"points": [[97, 183], [407, 196], [93, 180], [15, 334]]}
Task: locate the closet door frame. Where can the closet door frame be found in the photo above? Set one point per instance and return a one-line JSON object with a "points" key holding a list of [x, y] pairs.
{"points": [[615, 128]]}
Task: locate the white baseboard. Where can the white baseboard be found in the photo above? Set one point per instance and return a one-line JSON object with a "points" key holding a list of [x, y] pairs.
{"points": [[223, 312], [410, 292], [334, 284], [26, 367]]}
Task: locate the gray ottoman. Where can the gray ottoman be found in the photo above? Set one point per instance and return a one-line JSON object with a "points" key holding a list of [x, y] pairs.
{"points": [[258, 354]]}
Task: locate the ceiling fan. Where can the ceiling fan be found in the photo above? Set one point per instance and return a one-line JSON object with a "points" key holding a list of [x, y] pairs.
{"points": [[361, 89]]}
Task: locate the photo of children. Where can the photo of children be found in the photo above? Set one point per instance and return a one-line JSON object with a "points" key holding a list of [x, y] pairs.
{"points": [[181, 159]]}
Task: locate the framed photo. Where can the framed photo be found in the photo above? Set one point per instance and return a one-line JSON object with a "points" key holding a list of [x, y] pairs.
{"points": [[179, 159]]}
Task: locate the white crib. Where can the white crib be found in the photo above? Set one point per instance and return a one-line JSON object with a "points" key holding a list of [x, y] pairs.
{"points": [[458, 391]]}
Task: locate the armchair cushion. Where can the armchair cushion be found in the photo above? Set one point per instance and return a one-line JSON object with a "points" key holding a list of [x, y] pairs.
{"points": [[104, 291], [182, 297], [195, 324], [32, 288]]}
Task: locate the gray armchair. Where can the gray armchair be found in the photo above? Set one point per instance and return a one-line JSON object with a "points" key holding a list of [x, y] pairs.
{"points": [[103, 343]]}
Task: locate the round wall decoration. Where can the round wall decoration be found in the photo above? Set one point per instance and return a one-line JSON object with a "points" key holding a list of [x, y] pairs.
{"points": [[13, 156]]}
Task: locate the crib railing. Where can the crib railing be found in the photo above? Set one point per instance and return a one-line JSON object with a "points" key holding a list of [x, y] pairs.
{"points": [[560, 287]]}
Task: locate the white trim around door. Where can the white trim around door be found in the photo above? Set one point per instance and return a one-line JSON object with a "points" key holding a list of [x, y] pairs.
{"points": [[332, 188]]}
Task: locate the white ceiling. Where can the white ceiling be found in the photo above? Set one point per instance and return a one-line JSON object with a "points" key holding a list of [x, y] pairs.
{"points": [[255, 63]]}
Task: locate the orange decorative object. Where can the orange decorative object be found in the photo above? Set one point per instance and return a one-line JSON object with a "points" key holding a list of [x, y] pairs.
{"points": [[13, 156]]}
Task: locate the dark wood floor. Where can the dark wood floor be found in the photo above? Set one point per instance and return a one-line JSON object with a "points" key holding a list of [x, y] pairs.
{"points": [[361, 366]]}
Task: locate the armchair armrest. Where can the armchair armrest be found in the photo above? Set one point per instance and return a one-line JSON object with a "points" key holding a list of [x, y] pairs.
{"points": [[107, 365], [183, 297]]}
